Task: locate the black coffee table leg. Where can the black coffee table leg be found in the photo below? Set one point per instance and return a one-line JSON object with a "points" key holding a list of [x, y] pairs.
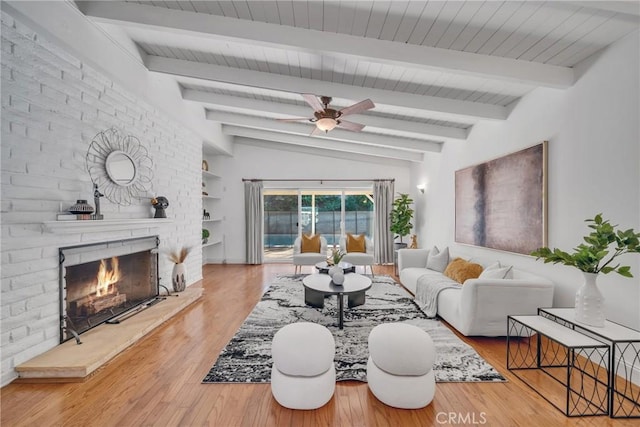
{"points": [[340, 311]]}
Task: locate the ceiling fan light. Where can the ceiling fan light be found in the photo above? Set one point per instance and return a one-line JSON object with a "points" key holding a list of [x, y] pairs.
{"points": [[326, 124]]}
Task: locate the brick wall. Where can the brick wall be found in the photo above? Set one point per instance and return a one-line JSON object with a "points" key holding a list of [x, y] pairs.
{"points": [[52, 107]]}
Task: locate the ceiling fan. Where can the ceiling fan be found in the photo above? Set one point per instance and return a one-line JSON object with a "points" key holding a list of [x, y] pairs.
{"points": [[327, 119]]}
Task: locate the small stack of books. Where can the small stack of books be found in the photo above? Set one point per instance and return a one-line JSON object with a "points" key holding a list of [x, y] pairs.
{"points": [[73, 217]]}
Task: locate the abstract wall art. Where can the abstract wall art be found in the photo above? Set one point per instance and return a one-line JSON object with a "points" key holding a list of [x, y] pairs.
{"points": [[501, 204]]}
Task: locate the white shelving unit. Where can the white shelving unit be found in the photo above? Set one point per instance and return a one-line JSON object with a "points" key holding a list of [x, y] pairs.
{"points": [[212, 203]]}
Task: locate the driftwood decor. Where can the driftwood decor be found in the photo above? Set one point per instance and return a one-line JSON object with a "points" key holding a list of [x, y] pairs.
{"points": [[501, 204]]}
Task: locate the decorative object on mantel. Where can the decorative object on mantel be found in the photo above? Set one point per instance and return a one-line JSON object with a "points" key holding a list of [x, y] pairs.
{"points": [[81, 207], [205, 235], [401, 216], [179, 270], [592, 258], [120, 165], [160, 203], [96, 198]]}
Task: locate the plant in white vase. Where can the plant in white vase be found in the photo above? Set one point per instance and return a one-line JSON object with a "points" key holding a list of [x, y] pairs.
{"points": [[178, 275], [603, 245], [334, 261]]}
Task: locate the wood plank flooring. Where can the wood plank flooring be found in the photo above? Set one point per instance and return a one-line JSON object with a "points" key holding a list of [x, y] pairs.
{"points": [[157, 381]]}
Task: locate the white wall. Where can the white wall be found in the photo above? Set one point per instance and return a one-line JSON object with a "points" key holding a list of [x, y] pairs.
{"points": [[53, 104], [251, 161], [594, 166]]}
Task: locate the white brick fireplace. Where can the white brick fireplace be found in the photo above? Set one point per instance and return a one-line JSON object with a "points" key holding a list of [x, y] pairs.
{"points": [[52, 106]]}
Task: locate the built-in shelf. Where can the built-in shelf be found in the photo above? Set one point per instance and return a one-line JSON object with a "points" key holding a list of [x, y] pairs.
{"points": [[211, 243], [210, 175], [212, 220], [84, 226], [211, 197]]}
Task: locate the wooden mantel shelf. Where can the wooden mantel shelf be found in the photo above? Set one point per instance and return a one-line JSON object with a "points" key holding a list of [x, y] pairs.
{"points": [[84, 226], [71, 362]]}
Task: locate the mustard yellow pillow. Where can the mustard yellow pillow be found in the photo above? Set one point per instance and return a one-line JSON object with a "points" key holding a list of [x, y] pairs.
{"points": [[310, 243], [461, 270], [356, 244]]}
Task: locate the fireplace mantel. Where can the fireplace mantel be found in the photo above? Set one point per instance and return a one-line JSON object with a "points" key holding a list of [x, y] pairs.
{"points": [[87, 226]]}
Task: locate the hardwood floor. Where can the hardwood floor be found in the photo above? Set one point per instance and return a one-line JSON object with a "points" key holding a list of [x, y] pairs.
{"points": [[157, 381]]}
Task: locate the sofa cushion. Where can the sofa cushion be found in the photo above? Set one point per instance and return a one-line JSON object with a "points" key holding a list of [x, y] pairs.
{"points": [[461, 270], [497, 273], [310, 243], [438, 261], [356, 244]]}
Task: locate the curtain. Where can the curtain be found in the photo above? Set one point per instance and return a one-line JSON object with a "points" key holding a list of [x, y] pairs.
{"points": [[383, 238], [254, 211]]}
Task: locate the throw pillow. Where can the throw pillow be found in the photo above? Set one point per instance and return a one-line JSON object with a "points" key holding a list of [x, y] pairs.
{"points": [[356, 244], [433, 252], [310, 243], [461, 270], [493, 266], [438, 262], [497, 273]]}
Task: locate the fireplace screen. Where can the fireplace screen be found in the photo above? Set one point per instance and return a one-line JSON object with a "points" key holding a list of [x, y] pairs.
{"points": [[102, 281]]}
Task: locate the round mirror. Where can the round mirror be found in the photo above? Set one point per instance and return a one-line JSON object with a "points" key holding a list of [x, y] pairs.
{"points": [[121, 168]]}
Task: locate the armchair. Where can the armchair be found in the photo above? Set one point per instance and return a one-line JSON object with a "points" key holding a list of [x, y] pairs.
{"points": [[359, 258], [308, 258]]}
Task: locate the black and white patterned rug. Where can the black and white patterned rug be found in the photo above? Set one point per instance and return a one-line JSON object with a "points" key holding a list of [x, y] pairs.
{"points": [[247, 357]]}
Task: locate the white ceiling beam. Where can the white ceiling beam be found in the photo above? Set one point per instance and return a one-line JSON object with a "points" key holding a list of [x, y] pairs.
{"points": [[335, 135], [319, 151], [332, 44], [283, 110], [465, 110], [286, 138]]}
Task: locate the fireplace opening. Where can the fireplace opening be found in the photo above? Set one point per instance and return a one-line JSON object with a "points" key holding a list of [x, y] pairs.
{"points": [[102, 281]]}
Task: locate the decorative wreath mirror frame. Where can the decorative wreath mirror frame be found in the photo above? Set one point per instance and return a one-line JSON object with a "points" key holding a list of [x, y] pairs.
{"points": [[105, 144]]}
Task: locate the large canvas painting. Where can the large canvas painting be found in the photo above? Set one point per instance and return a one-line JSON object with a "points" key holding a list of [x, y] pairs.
{"points": [[501, 204]]}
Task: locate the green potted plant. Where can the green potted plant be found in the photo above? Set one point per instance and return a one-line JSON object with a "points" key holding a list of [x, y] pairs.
{"points": [[205, 235], [596, 255], [401, 216]]}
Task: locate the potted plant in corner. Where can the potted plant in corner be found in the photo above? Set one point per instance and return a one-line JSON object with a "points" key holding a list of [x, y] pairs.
{"points": [[401, 216], [604, 244]]}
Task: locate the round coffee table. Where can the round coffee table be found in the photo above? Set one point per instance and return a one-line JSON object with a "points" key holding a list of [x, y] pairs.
{"points": [[323, 267], [317, 286]]}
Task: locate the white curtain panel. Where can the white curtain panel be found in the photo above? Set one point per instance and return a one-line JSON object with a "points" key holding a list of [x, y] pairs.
{"points": [[254, 211], [382, 236]]}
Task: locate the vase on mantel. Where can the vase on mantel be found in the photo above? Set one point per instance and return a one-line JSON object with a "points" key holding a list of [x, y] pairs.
{"points": [[178, 277], [589, 306]]}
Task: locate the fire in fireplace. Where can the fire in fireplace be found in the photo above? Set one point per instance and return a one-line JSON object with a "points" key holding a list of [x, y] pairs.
{"points": [[102, 281]]}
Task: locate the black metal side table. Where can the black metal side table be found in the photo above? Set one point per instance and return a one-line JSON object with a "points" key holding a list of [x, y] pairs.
{"points": [[624, 342]]}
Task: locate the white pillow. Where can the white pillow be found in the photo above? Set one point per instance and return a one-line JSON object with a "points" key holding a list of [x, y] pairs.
{"points": [[439, 262], [497, 273], [493, 266], [433, 252]]}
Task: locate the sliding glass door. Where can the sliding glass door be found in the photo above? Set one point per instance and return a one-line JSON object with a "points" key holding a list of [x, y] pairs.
{"points": [[289, 213]]}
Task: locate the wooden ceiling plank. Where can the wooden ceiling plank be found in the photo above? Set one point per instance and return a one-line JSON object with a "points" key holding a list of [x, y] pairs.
{"points": [[463, 109], [381, 51], [321, 141]]}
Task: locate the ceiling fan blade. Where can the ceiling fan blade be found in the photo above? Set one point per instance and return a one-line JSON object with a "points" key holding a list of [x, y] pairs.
{"points": [[367, 104], [313, 102], [355, 127], [316, 131], [294, 119]]}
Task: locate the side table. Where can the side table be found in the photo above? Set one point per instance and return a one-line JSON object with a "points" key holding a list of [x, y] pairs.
{"points": [[574, 364], [624, 342]]}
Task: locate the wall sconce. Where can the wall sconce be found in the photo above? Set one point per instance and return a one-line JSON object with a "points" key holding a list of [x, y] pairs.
{"points": [[421, 187]]}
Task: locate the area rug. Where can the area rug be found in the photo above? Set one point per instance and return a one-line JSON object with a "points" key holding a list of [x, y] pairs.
{"points": [[247, 357]]}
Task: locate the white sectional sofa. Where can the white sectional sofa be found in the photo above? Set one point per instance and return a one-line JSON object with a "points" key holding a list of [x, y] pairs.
{"points": [[480, 306]]}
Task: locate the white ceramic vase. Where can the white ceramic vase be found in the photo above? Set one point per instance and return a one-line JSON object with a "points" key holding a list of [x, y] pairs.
{"points": [[178, 277], [338, 278], [333, 270], [590, 302]]}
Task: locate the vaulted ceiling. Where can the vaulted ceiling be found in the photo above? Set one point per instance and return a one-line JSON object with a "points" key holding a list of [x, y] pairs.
{"points": [[432, 68]]}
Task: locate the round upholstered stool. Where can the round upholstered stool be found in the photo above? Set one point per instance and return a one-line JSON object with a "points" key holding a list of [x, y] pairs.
{"points": [[303, 375], [400, 365]]}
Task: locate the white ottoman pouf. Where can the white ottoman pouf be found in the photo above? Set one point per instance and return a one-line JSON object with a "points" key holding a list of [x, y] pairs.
{"points": [[400, 365], [303, 375]]}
